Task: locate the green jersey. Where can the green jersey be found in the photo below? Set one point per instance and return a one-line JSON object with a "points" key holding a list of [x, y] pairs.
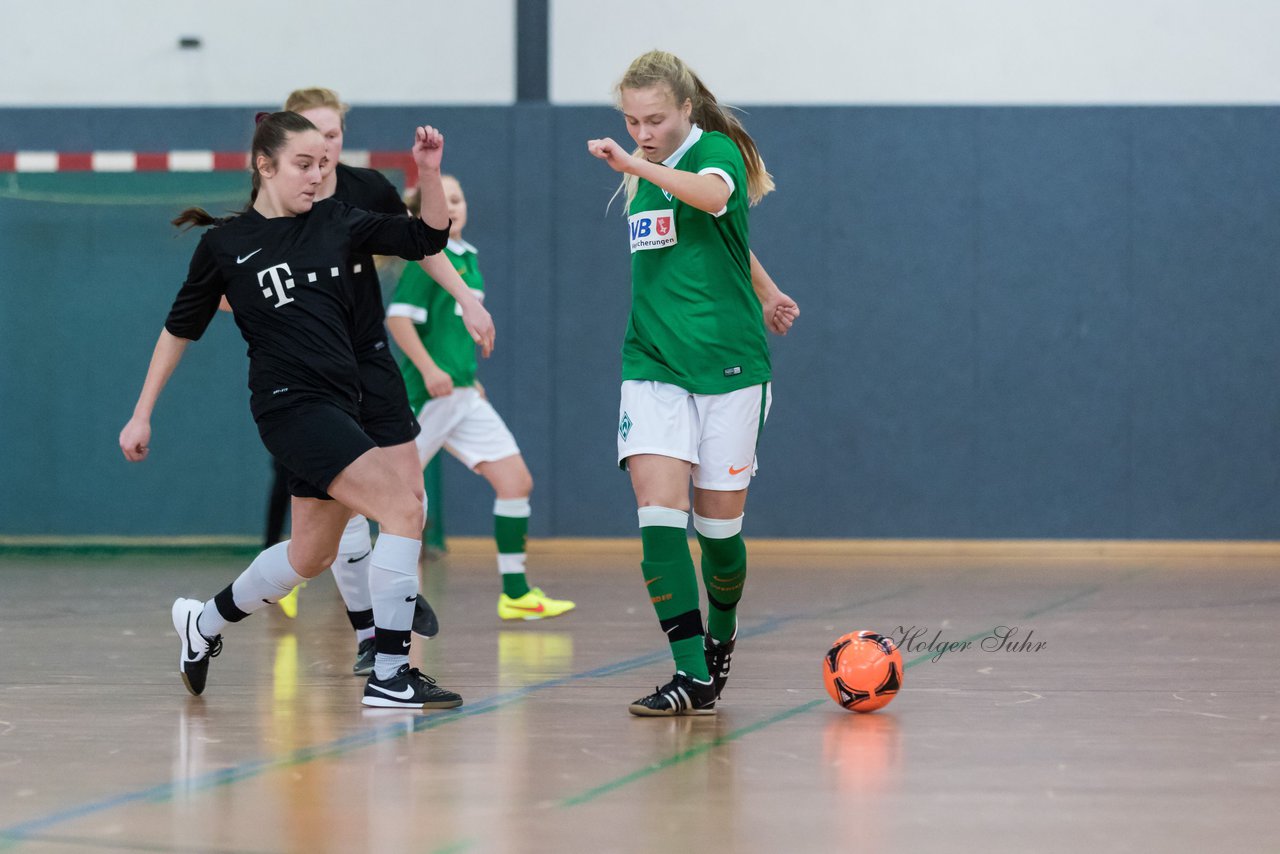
{"points": [[437, 317], [695, 321]]}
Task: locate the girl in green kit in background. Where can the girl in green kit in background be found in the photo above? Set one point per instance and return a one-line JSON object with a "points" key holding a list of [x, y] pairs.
{"points": [[695, 360], [439, 370]]}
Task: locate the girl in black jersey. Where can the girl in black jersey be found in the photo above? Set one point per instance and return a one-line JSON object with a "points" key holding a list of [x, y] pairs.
{"points": [[283, 266], [385, 413]]}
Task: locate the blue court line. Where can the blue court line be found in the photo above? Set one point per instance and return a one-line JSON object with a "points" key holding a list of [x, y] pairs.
{"points": [[25, 831], [100, 844]]}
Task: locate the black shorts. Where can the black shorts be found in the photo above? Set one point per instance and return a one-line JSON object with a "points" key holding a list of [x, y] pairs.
{"points": [[384, 406], [314, 439]]}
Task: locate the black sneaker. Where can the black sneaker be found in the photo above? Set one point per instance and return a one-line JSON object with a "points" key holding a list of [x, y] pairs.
{"points": [[408, 689], [718, 658], [366, 652], [683, 695], [196, 648], [424, 619]]}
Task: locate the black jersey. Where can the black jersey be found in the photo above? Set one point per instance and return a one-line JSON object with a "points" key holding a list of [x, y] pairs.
{"points": [[290, 282], [370, 190]]}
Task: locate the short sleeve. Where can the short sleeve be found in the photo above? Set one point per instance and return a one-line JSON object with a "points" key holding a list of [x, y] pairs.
{"points": [[410, 297], [719, 155], [198, 298]]}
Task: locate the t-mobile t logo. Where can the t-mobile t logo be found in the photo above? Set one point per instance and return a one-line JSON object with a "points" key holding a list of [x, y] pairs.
{"points": [[278, 284]]}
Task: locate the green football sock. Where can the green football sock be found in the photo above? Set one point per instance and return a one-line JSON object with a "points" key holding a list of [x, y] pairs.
{"points": [[672, 584], [511, 532], [724, 572]]}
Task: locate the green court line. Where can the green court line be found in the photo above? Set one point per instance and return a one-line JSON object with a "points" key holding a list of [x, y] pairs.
{"points": [[685, 755], [90, 546], [455, 847]]}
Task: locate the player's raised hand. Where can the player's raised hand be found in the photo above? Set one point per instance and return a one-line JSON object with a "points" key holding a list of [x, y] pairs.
{"points": [[610, 152], [428, 148]]}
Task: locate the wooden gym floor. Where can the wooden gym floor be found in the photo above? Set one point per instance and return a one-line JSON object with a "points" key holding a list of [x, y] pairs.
{"points": [[1148, 720]]}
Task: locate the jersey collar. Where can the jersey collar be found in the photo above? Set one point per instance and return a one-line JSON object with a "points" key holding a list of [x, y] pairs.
{"points": [[460, 247], [695, 134]]}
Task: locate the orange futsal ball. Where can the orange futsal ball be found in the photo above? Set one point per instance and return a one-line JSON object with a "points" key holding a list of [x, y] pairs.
{"points": [[862, 671]]}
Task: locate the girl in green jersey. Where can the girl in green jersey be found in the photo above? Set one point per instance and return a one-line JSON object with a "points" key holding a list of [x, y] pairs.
{"points": [[696, 372], [439, 371]]}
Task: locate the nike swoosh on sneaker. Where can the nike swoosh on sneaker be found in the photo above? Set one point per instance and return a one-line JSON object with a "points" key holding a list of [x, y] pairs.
{"points": [[538, 610], [189, 645], [406, 694], [358, 559], [240, 260]]}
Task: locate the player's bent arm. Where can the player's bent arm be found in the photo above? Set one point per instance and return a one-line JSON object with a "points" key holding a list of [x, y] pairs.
{"points": [[406, 338], [136, 435], [475, 317], [437, 381], [761, 282], [705, 191], [780, 310], [428, 149]]}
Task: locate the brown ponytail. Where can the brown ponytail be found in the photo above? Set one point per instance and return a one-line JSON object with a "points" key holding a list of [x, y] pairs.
{"points": [[269, 137]]}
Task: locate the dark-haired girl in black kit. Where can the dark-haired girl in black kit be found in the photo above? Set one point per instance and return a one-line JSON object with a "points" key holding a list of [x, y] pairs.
{"points": [[283, 266]]}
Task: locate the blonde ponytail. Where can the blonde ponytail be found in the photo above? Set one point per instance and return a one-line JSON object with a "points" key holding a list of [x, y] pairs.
{"points": [[659, 68]]}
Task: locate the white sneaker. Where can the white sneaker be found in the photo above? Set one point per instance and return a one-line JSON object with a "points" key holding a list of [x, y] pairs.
{"points": [[196, 648]]}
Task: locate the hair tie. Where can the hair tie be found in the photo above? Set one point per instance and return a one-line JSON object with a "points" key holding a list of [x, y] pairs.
{"points": [[258, 117]]}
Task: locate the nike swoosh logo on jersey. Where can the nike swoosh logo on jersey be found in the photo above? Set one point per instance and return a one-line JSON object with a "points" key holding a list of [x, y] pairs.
{"points": [[240, 260], [406, 694], [358, 559], [734, 471]]}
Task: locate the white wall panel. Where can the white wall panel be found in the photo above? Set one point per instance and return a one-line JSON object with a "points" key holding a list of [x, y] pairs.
{"points": [[125, 52], [932, 51]]}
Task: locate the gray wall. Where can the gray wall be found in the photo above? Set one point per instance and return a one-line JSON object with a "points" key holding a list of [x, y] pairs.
{"points": [[1018, 322]]}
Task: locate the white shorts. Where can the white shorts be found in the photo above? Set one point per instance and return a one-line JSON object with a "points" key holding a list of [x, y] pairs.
{"points": [[716, 432], [466, 425]]}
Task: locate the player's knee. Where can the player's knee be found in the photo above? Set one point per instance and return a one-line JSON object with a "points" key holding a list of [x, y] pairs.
{"points": [[311, 562], [405, 514]]}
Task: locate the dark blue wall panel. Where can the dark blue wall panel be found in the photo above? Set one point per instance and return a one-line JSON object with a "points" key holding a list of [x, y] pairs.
{"points": [[1018, 322]]}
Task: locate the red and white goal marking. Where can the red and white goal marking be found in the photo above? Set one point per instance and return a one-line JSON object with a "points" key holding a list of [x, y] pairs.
{"points": [[179, 161]]}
